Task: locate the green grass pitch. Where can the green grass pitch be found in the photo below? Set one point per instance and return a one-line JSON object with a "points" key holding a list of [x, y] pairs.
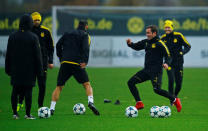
{"points": [[111, 83]]}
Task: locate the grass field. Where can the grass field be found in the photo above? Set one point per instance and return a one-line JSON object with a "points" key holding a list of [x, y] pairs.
{"points": [[110, 83]]}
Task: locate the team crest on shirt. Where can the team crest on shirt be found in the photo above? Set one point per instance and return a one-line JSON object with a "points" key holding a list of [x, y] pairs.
{"points": [[175, 40], [153, 45], [42, 34]]}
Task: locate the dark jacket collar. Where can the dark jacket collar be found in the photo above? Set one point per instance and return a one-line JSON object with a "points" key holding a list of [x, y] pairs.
{"points": [[155, 39], [169, 35]]}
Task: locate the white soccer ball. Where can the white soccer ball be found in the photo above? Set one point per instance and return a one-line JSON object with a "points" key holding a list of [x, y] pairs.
{"points": [[155, 111], [79, 109], [44, 112], [131, 111], [166, 111]]}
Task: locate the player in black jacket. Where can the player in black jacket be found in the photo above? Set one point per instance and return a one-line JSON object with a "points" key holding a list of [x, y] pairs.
{"points": [[23, 64], [47, 50], [73, 52], [155, 51], [178, 46]]}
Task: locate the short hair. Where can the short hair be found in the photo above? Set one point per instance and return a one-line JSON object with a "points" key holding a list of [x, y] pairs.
{"points": [[153, 28]]}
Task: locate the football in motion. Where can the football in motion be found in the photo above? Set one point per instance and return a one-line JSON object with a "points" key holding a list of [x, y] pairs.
{"points": [[44, 112], [79, 109], [131, 111]]}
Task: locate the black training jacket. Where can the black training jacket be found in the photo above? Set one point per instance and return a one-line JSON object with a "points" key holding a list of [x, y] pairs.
{"points": [[73, 47], [23, 61], [178, 46], [46, 44], [155, 52]]}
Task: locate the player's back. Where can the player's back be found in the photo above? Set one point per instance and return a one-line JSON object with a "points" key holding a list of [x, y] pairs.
{"points": [[72, 46]]}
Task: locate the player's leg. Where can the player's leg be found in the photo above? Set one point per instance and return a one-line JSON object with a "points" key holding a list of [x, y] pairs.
{"points": [[28, 102], [139, 77], [20, 104], [65, 73], [178, 79], [82, 77], [170, 73], [156, 83], [14, 100], [157, 89], [42, 89]]}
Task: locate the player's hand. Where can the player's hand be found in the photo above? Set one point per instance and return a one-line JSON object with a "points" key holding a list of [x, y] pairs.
{"points": [[50, 66], [83, 65], [165, 66], [128, 41]]}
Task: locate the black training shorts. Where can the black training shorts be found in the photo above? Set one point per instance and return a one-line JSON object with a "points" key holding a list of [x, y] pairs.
{"points": [[67, 70]]}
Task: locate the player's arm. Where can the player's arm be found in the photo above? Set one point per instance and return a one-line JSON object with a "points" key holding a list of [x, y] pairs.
{"points": [[38, 57], [7, 59], [185, 43], [166, 53], [136, 46], [85, 50], [59, 47], [50, 47]]}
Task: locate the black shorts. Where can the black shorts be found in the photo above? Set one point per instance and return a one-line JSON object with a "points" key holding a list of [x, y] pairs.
{"points": [[68, 70], [144, 75]]}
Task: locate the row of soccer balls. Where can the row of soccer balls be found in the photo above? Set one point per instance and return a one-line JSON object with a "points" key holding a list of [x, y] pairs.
{"points": [[131, 111], [44, 112], [155, 111]]}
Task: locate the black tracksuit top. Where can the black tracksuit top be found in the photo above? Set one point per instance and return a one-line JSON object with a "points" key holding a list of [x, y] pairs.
{"points": [[73, 47], [178, 46], [155, 52], [46, 44]]}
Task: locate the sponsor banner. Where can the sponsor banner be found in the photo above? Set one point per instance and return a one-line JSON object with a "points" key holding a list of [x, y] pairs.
{"points": [[10, 22], [113, 52], [118, 54], [132, 24]]}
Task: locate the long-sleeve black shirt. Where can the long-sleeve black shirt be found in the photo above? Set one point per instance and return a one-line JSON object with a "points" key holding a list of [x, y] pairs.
{"points": [[73, 47], [155, 52], [46, 44], [178, 46]]}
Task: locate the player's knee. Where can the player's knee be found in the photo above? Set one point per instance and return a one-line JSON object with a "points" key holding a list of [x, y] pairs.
{"points": [[86, 84], [59, 88], [131, 83]]}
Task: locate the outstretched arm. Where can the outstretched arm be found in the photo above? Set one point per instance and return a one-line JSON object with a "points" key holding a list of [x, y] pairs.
{"points": [[136, 46]]}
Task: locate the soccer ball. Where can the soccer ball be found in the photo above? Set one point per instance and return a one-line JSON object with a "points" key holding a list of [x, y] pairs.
{"points": [[131, 111], [44, 112], [155, 111], [166, 111], [79, 109]]}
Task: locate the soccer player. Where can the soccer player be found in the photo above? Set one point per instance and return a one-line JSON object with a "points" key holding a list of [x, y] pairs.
{"points": [[23, 64], [73, 52], [47, 50], [178, 46], [155, 51]]}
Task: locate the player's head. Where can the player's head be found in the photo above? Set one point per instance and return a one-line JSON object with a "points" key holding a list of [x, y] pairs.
{"points": [[36, 18], [83, 25], [151, 31], [168, 26], [26, 22]]}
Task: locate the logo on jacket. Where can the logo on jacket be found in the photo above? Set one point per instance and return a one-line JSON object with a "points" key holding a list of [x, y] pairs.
{"points": [[153, 45], [175, 40], [42, 34]]}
